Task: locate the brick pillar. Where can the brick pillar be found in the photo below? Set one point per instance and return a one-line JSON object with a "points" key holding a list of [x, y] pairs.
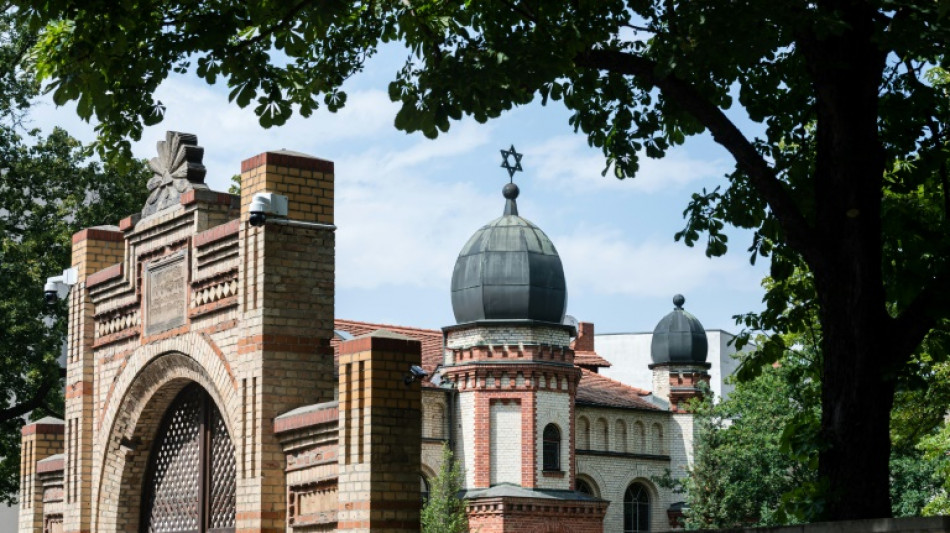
{"points": [[286, 303], [39, 440], [94, 249], [380, 435]]}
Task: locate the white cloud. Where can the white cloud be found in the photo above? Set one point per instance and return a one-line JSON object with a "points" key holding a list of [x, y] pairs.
{"points": [[567, 161], [399, 224], [605, 261]]}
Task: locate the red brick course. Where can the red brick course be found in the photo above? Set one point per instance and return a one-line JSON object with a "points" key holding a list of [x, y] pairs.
{"points": [[106, 274], [287, 160]]}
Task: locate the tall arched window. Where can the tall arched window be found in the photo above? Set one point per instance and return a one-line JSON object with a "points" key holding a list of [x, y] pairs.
{"points": [[423, 489], [190, 482], [583, 434], [636, 509], [639, 437], [621, 440], [551, 456], [602, 434]]}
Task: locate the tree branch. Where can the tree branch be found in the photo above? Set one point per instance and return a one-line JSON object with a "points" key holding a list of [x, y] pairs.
{"points": [[36, 401], [283, 23], [917, 320], [762, 176]]}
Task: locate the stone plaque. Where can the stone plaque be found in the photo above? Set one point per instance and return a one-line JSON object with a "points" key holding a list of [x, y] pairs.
{"points": [[165, 286]]}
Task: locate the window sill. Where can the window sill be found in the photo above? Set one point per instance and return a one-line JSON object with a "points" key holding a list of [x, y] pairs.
{"points": [[552, 473]]}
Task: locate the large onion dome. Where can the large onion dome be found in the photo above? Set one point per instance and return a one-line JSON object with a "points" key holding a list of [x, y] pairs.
{"points": [[509, 270], [679, 337]]}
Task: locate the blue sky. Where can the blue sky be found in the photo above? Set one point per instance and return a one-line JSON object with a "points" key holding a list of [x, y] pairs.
{"points": [[406, 204]]}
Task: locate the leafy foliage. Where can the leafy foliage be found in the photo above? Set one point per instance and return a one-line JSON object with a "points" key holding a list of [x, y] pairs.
{"points": [[51, 189], [747, 464], [756, 454], [445, 510], [846, 174]]}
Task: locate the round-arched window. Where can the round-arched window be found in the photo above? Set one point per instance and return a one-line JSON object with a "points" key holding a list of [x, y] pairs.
{"points": [[636, 509], [423, 489], [586, 487], [551, 460]]}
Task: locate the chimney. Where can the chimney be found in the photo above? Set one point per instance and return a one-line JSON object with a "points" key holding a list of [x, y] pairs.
{"points": [[585, 337]]}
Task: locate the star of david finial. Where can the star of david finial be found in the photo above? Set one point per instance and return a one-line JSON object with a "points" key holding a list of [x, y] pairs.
{"points": [[506, 162]]}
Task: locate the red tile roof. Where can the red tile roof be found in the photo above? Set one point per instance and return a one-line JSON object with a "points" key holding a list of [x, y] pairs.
{"points": [[595, 389], [590, 359], [431, 339]]}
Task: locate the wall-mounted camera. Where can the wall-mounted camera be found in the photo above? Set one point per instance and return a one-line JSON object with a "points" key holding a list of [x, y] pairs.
{"points": [[57, 287], [265, 204], [416, 373]]}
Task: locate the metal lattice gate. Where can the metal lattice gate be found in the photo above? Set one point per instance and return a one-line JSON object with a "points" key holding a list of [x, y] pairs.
{"points": [[190, 486]]}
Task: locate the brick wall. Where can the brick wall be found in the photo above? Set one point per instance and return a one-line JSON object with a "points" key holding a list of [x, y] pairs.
{"points": [[507, 336], [554, 408], [379, 437], [94, 250], [506, 439], [38, 441], [286, 315], [530, 515]]}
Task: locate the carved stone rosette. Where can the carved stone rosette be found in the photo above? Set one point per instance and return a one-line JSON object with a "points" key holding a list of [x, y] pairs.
{"points": [[178, 168]]}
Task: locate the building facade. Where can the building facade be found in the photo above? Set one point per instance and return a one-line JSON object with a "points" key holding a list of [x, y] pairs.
{"points": [[210, 388]]}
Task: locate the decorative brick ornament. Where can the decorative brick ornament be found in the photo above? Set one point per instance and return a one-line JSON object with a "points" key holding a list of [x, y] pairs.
{"points": [[178, 169]]}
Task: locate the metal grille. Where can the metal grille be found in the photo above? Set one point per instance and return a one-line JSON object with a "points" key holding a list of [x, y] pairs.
{"points": [[192, 446], [222, 474]]}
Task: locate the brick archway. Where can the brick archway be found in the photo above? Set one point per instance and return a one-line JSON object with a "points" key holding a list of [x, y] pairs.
{"points": [[140, 395]]}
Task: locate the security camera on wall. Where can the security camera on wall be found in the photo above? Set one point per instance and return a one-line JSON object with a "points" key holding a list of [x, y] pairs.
{"points": [[57, 287], [264, 204]]}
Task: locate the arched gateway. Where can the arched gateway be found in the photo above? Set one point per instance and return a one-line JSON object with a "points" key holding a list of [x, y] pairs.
{"points": [[200, 380], [190, 484]]}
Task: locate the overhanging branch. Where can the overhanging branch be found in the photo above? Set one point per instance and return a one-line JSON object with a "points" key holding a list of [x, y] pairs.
{"points": [[912, 325], [37, 400], [761, 174]]}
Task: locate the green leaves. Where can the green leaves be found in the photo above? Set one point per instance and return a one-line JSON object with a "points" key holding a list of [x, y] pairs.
{"points": [[444, 512], [51, 190]]}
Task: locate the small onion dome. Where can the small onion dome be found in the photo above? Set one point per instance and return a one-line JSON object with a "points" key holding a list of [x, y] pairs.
{"points": [[509, 270], [679, 337]]}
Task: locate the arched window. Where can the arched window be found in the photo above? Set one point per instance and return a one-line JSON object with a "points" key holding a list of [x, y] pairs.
{"points": [[551, 456], [636, 509], [602, 434], [190, 484], [583, 434], [659, 445], [620, 443], [423, 489], [586, 486], [639, 437]]}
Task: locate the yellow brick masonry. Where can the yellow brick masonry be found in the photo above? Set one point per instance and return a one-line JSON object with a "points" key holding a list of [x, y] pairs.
{"points": [[379, 437], [39, 440], [286, 303], [94, 249]]}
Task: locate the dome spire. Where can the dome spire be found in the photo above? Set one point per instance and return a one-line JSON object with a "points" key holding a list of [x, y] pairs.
{"points": [[679, 338], [510, 190]]}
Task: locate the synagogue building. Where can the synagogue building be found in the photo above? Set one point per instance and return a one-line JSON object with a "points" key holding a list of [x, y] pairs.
{"points": [[210, 388]]}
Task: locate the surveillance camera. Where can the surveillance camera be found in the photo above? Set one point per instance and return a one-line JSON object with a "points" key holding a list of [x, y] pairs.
{"points": [[415, 373], [50, 292], [51, 297], [257, 218], [264, 204]]}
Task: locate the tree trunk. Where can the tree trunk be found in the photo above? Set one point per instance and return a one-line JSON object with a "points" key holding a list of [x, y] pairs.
{"points": [[858, 368]]}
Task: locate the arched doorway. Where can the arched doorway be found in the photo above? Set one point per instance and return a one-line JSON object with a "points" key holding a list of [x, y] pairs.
{"points": [[190, 483]]}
